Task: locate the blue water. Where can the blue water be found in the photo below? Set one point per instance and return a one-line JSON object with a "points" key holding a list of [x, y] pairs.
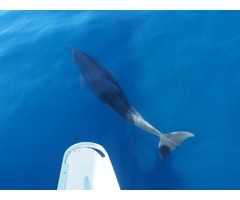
{"points": [[180, 69]]}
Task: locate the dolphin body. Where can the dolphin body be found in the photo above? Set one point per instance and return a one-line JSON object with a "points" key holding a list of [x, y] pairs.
{"points": [[104, 86]]}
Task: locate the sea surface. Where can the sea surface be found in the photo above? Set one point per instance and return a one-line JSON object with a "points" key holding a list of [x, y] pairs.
{"points": [[179, 69]]}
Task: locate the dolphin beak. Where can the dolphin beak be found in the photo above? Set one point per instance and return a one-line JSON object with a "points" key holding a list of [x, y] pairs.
{"points": [[71, 48]]}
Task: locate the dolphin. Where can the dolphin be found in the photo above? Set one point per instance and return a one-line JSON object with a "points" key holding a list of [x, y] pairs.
{"points": [[107, 89]]}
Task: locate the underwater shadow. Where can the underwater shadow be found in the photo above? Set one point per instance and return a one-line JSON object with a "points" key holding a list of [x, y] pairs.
{"points": [[141, 172], [161, 176]]}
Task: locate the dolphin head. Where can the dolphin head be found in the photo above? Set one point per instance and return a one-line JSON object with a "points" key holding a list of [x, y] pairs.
{"points": [[79, 56], [82, 59], [73, 49]]}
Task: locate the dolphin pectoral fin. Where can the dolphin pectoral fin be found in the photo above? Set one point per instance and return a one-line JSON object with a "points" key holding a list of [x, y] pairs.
{"points": [[169, 142]]}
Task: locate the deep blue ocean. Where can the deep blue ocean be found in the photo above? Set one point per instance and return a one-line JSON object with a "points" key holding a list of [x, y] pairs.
{"points": [[180, 69]]}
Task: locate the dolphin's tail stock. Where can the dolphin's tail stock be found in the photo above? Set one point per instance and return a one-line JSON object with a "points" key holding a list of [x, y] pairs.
{"points": [[169, 142]]}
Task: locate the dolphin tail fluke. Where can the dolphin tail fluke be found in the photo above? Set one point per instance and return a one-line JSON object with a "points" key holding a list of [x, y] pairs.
{"points": [[169, 142]]}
